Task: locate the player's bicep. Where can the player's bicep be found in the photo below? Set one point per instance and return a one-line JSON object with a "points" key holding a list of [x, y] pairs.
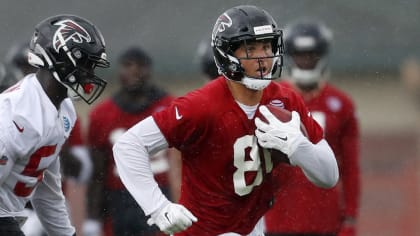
{"points": [[149, 134]]}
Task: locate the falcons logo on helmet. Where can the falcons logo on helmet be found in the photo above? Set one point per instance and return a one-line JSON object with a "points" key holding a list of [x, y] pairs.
{"points": [[69, 30], [223, 22]]}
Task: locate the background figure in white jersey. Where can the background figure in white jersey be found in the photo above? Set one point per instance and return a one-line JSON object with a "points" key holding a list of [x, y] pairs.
{"points": [[37, 117], [16, 66], [75, 161]]}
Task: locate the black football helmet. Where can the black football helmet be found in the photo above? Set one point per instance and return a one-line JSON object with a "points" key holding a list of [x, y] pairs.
{"points": [[206, 59], [70, 47], [240, 25], [313, 39]]}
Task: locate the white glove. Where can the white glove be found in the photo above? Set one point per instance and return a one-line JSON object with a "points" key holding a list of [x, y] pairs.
{"points": [[172, 218], [282, 136], [92, 228]]}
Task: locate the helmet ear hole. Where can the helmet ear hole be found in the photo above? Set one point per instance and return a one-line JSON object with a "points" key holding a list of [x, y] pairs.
{"points": [[244, 29]]}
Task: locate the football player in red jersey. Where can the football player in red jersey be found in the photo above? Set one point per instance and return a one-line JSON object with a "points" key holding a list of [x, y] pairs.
{"points": [[38, 117], [301, 208], [227, 184], [206, 60], [136, 99]]}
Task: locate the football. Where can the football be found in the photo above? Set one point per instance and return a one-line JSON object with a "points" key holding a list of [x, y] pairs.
{"points": [[284, 116]]}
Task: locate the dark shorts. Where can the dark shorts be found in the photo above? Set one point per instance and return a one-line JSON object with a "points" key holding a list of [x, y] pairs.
{"points": [[10, 227], [128, 219]]}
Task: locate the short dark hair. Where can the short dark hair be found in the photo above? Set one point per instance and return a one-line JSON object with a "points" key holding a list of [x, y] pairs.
{"points": [[136, 54]]}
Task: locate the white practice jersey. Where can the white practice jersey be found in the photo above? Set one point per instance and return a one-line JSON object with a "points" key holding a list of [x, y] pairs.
{"points": [[32, 132]]}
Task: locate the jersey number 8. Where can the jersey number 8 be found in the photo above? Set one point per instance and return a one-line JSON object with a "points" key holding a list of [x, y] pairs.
{"points": [[249, 142]]}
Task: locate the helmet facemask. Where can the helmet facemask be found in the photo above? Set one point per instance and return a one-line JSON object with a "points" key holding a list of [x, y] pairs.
{"points": [[88, 89], [265, 75], [238, 73], [80, 80], [307, 76]]}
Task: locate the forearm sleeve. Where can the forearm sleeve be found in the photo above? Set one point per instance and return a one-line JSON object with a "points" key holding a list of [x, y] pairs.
{"points": [[317, 162], [131, 154]]}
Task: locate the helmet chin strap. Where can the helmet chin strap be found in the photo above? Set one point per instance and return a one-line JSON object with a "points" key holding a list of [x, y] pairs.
{"points": [[255, 84]]}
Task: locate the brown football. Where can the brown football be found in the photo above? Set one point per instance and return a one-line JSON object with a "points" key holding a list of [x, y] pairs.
{"points": [[284, 116]]}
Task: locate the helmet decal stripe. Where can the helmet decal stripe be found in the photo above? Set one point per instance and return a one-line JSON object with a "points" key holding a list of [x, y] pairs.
{"points": [[39, 49]]}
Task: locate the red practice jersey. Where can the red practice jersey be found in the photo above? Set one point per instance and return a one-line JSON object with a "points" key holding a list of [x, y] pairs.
{"points": [[107, 122], [301, 207], [226, 178]]}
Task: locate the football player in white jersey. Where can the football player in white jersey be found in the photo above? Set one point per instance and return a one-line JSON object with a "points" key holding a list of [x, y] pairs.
{"points": [[37, 116]]}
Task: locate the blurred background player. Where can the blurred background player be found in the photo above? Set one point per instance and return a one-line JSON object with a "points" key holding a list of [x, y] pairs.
{"points": [[410, 77], [301, 208], [206, 60], [77, 171], [16, 62], [15, 65], [3, 82], [136, 98], [74, 157]]}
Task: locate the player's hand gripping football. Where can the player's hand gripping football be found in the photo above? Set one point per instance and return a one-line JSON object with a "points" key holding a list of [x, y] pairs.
{"points": [[172, 218], [282, 136]]}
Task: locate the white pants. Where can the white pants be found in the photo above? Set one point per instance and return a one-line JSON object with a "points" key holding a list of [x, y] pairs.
{"points": [[257, 231]]}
